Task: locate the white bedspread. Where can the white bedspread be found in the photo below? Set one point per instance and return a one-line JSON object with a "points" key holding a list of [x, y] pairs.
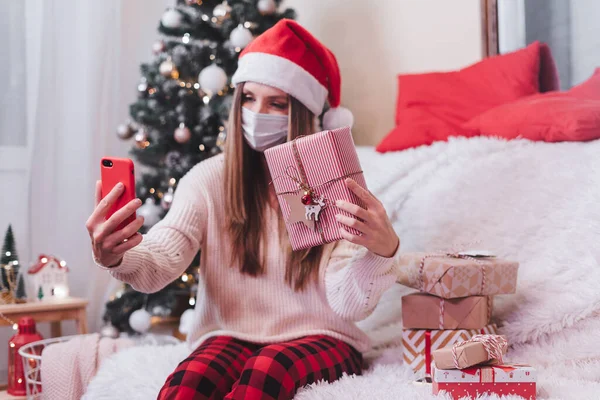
{"points": [[537, 203]]}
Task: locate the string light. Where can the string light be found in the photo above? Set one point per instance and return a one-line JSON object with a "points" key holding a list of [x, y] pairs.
{"points": [[220, 93], [184, 277], [172, 181], [186, 38], [151, 190], [238, 49], [182, 83], [201, 147], [214, 20], [196, 85], [63, 263], [206, 99], [205, 17], [192, 301], [44, 260], [188, 85], [212, 57], [221, 128], [247, 24], [8, 253], [152, 91]]}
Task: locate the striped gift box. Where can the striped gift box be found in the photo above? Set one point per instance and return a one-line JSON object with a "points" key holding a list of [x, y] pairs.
{"points": [[322, 161], [418, 344]]}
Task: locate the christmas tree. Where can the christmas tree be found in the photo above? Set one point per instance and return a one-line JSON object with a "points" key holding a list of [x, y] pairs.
{"points": [[179, 118], [9, 261]]}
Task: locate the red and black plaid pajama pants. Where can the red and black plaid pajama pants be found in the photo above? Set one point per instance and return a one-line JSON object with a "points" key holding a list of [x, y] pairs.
{"points": [[226, 368]]}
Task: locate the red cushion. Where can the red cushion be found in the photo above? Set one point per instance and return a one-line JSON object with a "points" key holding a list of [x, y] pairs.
{"points": [[551, 117], [426, 101]]}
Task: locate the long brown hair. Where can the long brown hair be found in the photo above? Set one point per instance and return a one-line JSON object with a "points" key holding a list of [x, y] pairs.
{"points": [[247, 196]]}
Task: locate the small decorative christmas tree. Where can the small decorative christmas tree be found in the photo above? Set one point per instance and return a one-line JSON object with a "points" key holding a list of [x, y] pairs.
{"points": [[12, 287], [40, 294]]}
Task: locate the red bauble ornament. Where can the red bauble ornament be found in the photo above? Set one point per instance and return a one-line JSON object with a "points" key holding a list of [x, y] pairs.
{"points": [[307, 199], [16, 376]]}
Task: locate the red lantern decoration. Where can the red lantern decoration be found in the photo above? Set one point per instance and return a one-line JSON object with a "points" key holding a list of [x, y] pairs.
{"points": [[16, 376]]}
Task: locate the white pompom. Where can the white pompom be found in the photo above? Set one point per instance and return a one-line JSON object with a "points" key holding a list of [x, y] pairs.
{"points": [[212, 79], [139, 320], [186, 321], [338, 117], [240, 37], [171, 18]]}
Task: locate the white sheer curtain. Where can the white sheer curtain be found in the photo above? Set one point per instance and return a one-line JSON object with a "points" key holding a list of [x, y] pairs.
{"points": [[88, 60]]}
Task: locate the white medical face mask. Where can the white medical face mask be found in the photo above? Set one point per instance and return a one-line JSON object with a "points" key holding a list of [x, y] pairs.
{"points": [[262, 131]]}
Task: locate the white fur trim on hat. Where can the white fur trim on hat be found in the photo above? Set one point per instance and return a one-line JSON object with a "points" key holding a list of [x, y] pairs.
{"points": [[338, 117], [283, 74]]}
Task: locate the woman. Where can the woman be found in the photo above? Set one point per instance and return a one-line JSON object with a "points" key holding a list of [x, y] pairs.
{"points": [[267, 320]]}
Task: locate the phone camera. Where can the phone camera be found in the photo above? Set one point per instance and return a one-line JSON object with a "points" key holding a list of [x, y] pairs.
{"points": [[107, 163]]}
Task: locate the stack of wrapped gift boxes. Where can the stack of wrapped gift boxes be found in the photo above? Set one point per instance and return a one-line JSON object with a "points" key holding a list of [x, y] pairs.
{"points": [[454, 304], [474, 367]]}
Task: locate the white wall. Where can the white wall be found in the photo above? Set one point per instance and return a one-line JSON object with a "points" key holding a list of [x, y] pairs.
{"points": [[376, 40], [585, 39]]}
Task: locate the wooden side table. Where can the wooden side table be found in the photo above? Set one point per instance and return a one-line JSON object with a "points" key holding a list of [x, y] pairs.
{"points": [[54, 311]]}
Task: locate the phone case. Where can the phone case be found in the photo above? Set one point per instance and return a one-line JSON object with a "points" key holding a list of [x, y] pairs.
{"points": [[120, 171]]}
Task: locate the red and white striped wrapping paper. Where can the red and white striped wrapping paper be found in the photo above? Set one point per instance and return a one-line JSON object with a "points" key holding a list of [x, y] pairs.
{"points": [[325, 156]]}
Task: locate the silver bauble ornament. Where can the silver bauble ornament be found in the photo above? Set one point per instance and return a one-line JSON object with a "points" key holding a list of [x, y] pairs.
{"points": [[150, 211], [212, 79], [240, 36], [142, 86], [266, 7], [141, 138], [158, 47], [167, 199], [171, 19], [182, 134], [109, 331], [168, 69], [222, 12], [125, 131], [140, 320]]}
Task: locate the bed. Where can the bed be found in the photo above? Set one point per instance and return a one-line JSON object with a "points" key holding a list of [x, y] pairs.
{"points": [[533, 202]]}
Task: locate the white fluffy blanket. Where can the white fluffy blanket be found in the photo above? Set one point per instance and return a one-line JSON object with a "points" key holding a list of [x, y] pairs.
{"points": [[537, 203]]}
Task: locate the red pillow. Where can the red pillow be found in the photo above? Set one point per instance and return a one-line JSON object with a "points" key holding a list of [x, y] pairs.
{"points": [[551, 117], [426, 101]]}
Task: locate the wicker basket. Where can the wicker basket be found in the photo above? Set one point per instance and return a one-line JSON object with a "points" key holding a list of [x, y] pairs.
{"points": [[31, 354]]}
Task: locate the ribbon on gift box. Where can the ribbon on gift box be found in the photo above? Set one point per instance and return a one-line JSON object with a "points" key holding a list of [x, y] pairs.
{"points": [[453, 254], [495, 346]]}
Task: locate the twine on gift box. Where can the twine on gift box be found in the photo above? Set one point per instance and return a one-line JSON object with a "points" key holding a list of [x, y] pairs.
{"points": [[453, 255], [495, 346]]}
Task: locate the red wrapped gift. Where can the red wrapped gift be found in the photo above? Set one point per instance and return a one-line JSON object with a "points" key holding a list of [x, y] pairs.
{"points": [[507, 379], [308, 174]]}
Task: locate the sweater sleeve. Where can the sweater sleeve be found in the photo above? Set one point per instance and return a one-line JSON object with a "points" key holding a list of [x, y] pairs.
{"points": [[356, 278], [169, 246]]}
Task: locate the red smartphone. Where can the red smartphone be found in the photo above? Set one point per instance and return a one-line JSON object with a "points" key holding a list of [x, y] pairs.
{"points": [[112, 171]]}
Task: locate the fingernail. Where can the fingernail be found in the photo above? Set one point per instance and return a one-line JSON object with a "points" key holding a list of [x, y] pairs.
{"points": [[119, 185], [138, 202]]}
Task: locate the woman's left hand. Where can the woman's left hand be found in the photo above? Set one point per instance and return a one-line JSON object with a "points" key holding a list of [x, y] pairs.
{"points": [[378, 235]]}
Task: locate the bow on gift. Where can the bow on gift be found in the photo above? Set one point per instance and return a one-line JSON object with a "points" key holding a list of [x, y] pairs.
{"points": [[495, 346]]}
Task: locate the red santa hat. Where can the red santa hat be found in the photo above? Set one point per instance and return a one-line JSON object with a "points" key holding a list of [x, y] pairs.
{"points": [[289, 58]]}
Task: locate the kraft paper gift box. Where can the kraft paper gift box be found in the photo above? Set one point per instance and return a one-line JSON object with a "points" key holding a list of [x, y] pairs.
{"points": [[480, 349], [425, 311], [452, 276], [316, 166], [417, 344], [515, 379]]}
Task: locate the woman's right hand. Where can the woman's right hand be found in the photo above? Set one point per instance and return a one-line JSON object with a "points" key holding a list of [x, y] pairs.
{"points": [[109, 243]]}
